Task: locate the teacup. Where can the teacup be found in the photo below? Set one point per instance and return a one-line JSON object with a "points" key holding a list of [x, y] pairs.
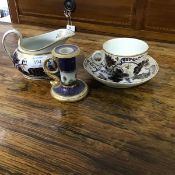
{"points": [[123, 57]]}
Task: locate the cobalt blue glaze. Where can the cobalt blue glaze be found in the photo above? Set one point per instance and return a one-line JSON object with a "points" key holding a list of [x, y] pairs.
{"points": [[70, 91], [67, 65]]}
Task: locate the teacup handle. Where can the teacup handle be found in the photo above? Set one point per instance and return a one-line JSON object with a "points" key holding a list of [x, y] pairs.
{"points": [[51, 74], [98, 56], [5, 44]]}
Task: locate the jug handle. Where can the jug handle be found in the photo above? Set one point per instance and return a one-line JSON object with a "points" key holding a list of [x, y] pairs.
{"points": [[19, 35]]}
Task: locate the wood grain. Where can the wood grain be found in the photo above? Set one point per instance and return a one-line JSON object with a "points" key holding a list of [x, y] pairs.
{"points": [[149, 19], [111, 132], [13, 9], [159, 15]]}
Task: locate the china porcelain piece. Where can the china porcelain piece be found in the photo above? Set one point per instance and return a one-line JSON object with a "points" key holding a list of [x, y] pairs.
{"points": [[65, 87], [31, 53], [126, 53], [116, 78]]}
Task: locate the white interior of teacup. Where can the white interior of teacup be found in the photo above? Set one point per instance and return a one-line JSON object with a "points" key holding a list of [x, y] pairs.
{"points": [[125, 46]]}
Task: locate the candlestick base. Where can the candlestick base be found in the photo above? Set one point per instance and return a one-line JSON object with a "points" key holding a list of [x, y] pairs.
{"points": [[72, 93]]}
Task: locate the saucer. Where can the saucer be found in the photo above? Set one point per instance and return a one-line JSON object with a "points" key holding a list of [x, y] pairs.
{"points": [[101, 74]]}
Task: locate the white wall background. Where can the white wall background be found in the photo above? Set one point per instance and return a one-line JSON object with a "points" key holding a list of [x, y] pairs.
{"points": [[3, 4]]}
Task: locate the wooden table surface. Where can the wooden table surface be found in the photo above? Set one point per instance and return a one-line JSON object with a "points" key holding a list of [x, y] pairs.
{"points": [[111, 132]]}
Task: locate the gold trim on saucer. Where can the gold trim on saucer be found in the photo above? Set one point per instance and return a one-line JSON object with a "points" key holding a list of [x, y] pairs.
{"points": [[107, 82]]}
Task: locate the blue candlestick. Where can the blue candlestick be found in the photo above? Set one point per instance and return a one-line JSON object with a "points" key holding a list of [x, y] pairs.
{"points": [[67, 87]]}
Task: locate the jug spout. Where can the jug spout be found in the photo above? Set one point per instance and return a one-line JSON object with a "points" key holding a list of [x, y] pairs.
{"points": [[45, 42], [64, 34], [19, 35]]}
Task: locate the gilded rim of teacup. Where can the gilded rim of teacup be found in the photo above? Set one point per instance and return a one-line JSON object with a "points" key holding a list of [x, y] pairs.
{"points": [[129, 55], [125, 55]]}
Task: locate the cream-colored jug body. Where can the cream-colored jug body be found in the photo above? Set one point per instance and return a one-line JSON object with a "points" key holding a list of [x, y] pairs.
{"points": [[31, 53]]}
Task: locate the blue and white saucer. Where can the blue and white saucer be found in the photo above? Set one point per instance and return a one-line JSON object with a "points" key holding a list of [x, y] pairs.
{"points": [[101, 74]]}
